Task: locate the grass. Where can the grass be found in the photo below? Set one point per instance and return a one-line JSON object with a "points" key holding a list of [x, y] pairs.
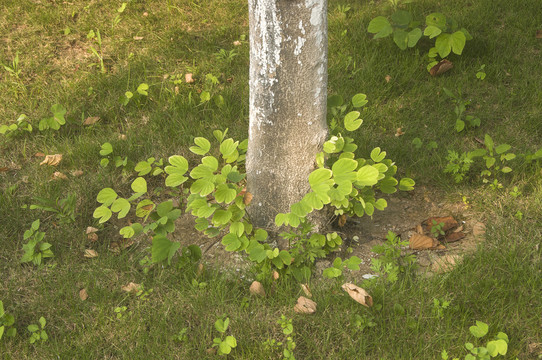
{"points": [[156, 41]]}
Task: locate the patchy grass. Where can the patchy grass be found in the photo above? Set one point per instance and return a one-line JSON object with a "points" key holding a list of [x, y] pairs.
{"points": [[157, 43]]}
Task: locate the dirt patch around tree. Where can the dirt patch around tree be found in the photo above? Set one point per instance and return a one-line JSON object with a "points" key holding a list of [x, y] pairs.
{"points": [[404, 214]]}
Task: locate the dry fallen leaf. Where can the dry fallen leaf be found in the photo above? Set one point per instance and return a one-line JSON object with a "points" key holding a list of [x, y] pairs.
{"points": [[419, 229], [448, 221], [275, 275], [77, 173], [57, 175], [52, 160], [399, 132], [247, 198], [455, 236], [91, 120], [92, 237], [122, 137], [138, 37], [388, 78], [236, 43], [445, 263], [342, 220], [443, 66], [538, 34], [200, 270], [91, 229], [358, 294], [256, 288], [188, 78], [39, 154], [4, 169], [306, 290], [83, 294], [89, 253], [114, 247], [421, 242], [131, 287], [145, 14], [478, 229], [305, 306]]}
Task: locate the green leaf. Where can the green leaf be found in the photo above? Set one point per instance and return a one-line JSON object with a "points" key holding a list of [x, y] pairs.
{"points": [[106, 149], [377, 155], [497, 347], [459, 125], [202, 146], [176, 171], [230, 340], [414, 36], [332, 272], [502, 148], [103, 213], [406, 184], [142, 89], [224, 348], [380, 26], [343, 170], [144, 208], [42, 322], [285, 257], [432, 31], [367, 176], [352, 121], [227, 147], [479, 330], [204, 96], [122, 206], [457, 42], [203, 187], [221, 217], [225, 194], [33, 328], [488, 141], [139, 185], [127, 232], [443, 44], [335, 101], [400, 37], [163, 248], [436, 19], [106, 196], [143, 168], [401, 18], [359, 100], [381, 204], [231, 242]]}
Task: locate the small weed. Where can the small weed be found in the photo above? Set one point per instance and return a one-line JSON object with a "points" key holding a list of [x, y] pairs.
{"points": [[63, 208], [97, 51], [362, 322], [120, 311], [460, 106], [181, 335], [224, 343], [226, 56], [436, 229], [480, 73], [439, 307], [35, 250], [391, 263], [37, 332], [6, 323]]}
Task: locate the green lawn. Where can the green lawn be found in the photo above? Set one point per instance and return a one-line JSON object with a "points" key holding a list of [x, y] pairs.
{"points": [[157, 43]]}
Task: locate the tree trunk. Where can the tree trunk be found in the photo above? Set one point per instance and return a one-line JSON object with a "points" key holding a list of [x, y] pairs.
{"points": [[288, 89]]}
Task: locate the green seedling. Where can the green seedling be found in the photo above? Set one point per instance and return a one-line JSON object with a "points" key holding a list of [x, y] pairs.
{"points": [[436, 229], [224, 343], [19, 127], [439, 307], [460, 106], [97, 51], [120, 311], [495, 348], [35, 250], [6, 323], [480, 73], [37, 332], [63, 208]]}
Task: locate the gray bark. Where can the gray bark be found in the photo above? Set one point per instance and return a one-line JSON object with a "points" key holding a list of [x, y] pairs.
{"points": [[288, 89]]}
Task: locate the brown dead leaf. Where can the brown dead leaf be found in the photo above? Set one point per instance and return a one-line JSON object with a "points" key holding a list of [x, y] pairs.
{"points": [[256, 288], [4, 169], [200, 270], [479, 229], [460, 228], [445, 263], [89, 253], [90, 230], [39, 154], [449, 223], [91, 120], [455, 236], [52, 160], [388, 78], [247, 198], [236, 43], [131, 287], [443, 66], [419, 229], [114, 247], [83, 295], [92, 237], [538, 34], [399, 132], [275, 275], [57, 175], [77, 173], [188, 78], [358, 294], [306, 290], [533, 348], [122, 137], [305, 306], [421, 242], [211, 351], [342, 220], [145, 14]]}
